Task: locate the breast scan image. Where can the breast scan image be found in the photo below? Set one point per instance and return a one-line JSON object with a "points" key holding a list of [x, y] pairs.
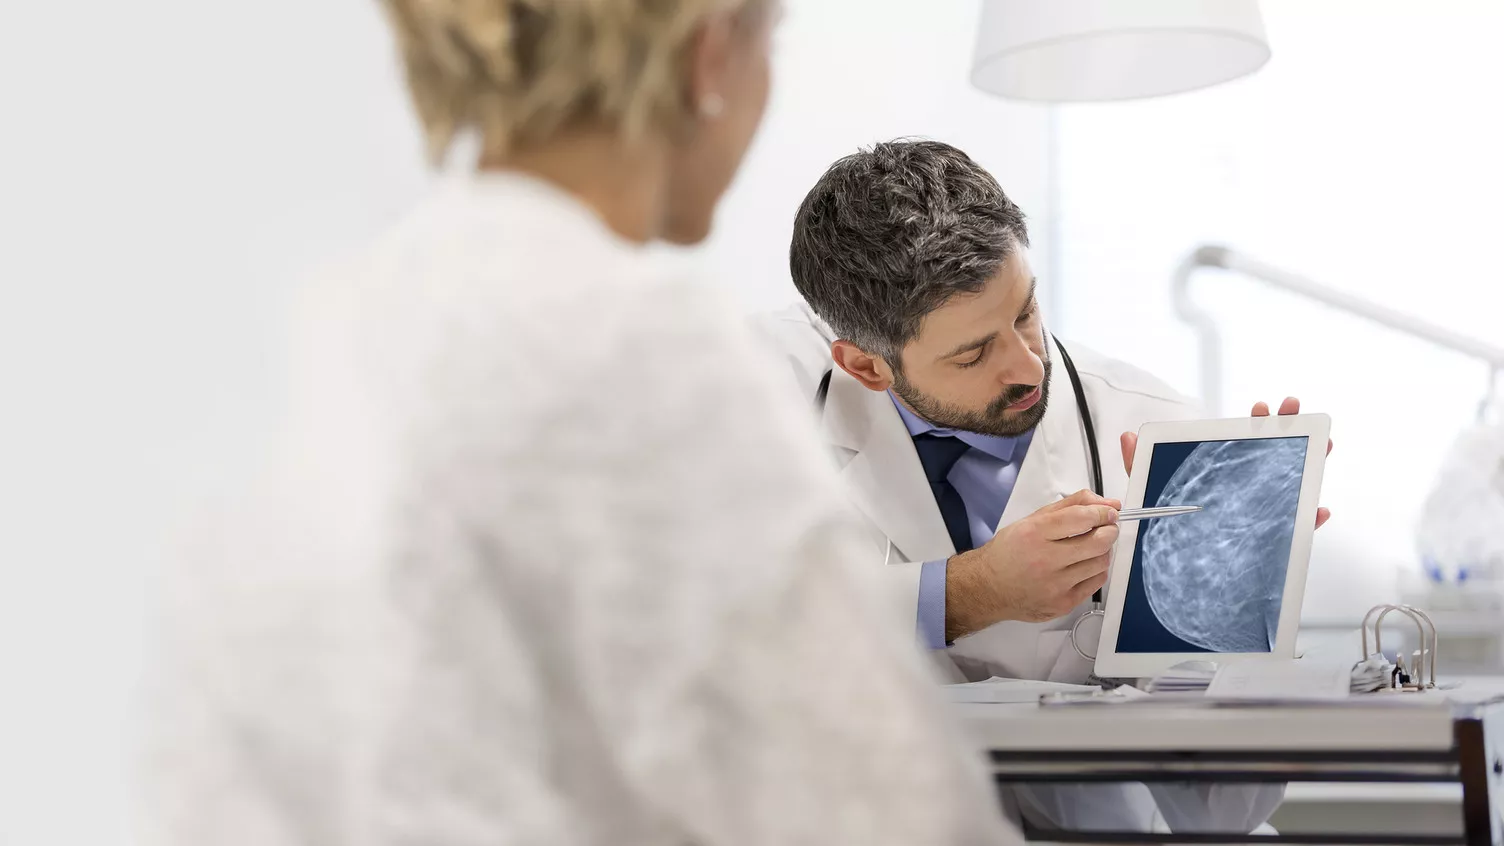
{"points": [[1214, 581]]}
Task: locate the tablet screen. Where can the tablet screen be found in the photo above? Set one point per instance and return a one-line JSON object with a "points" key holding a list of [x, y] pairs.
{"points": [[1214, 581]]}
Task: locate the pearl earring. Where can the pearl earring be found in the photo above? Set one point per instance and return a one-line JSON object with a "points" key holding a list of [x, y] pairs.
{"points": [[712, 106]]}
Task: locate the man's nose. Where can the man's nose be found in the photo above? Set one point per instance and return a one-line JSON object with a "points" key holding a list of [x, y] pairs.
{"points": [[1021, 365]]}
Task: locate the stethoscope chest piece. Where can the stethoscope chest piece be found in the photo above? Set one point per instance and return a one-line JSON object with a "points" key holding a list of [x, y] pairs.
{"points": [[1088, 626]]}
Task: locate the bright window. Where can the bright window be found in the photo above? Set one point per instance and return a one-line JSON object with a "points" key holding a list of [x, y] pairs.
{"points": [[1368, 155]]}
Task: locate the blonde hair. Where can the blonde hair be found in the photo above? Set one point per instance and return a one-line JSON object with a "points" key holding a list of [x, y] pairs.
{"points": [[518, 70]]}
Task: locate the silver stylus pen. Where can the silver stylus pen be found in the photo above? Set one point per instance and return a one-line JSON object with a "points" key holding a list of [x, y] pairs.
{"points": [[1128, 514]]}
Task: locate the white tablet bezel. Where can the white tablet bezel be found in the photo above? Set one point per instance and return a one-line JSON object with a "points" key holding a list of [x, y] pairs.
{"points": [[1316, 428]]}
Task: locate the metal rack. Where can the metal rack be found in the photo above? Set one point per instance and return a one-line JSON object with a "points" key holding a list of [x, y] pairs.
{"points": [[1425, 657]]}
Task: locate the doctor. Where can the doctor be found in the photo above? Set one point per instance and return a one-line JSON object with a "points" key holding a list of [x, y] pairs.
{"points": [[959, 427]]}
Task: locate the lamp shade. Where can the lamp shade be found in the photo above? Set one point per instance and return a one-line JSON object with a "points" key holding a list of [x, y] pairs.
{"points": [[1085, 50]]}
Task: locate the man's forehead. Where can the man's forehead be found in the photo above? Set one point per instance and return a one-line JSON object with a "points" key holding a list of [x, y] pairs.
{"points": [[1005, 291]]}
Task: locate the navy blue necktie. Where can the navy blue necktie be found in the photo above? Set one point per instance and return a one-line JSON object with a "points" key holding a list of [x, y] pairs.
{"points": [[939, 454]]}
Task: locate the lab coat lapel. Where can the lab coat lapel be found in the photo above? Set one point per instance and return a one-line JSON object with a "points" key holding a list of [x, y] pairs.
{"points": [[883, 472], [1055, 465]]}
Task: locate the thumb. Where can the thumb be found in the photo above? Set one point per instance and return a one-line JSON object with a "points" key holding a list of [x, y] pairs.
{"points": [[1129, 442]]}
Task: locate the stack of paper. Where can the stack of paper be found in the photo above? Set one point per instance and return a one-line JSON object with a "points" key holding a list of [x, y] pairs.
{"points": [[1015, 691], [1181, 680], [1279, 679]]}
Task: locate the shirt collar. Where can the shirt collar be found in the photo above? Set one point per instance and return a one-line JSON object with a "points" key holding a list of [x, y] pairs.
{"points": [[998, 447]]}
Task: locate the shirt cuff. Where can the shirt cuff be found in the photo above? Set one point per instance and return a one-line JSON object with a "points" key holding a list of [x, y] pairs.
{"points": [[931, 616]]}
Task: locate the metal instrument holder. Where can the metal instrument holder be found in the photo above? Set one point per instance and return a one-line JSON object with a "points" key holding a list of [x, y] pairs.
{"points": [[1425, 668]]}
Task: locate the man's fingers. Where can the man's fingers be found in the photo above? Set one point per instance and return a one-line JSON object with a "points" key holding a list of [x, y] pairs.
{"points": [[1078, 520], [1291, 405], [1129, 442], [1083, 591], [1081, 497], [1088, 568], [1323, 515], [1095, 543], [1328, 446]]}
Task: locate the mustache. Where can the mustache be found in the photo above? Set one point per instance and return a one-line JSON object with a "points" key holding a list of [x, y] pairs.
{"points": [[1014, 393], [1009, 397]]}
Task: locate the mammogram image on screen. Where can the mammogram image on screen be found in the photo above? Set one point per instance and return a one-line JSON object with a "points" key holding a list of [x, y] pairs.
{"points": [[1214, 581]]}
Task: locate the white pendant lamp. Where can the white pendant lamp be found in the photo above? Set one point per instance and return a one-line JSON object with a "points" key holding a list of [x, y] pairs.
{"points": [[1096, 50]]}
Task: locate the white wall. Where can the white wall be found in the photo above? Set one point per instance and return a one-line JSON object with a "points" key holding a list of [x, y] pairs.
{"points": [[1366, 155], [167, 168], [167, 171]]}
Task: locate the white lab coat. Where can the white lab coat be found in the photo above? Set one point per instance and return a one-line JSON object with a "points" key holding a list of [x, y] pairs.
{"points": [[537, 571], [877, 461]]}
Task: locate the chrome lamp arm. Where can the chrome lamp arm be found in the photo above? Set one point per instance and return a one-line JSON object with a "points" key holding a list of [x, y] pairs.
{"points": [[1210, 341]]}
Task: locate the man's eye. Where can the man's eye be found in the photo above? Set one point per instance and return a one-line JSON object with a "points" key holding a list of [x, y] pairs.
{"points": [[1029, 313], [974, 362]]}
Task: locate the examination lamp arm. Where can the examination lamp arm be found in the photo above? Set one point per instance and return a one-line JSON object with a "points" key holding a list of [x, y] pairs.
{"points": [[1210, 341]]}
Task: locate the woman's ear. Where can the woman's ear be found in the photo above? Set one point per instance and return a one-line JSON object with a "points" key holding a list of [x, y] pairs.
{"points": [[871, 370], [709, 55]]}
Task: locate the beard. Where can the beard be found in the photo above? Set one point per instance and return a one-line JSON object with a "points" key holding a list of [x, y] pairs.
{"points": [[993, 420]]}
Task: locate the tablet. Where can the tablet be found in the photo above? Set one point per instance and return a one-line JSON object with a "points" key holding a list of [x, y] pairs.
{"points": [[1224, 583]]}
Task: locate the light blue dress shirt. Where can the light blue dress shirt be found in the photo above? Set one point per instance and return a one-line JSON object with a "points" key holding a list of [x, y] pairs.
{"points": [[984, 477]]}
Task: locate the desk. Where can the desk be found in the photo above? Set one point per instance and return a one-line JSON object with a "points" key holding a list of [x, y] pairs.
{"points": [[1414, 739]]}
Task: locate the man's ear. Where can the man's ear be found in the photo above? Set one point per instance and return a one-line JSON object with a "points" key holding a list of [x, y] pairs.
{"points": [[871, 370]]}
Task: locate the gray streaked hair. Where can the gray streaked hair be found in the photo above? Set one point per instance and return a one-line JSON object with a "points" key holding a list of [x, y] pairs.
{"points": [[890, 234]]}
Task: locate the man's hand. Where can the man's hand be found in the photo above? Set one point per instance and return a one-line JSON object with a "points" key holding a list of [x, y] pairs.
{"points": [[1036, 569], [1291, 405]]}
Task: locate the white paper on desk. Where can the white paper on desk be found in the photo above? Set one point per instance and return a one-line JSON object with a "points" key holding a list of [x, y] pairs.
{"points": [[1010, 691], [1181, 680], [1278, 680]]}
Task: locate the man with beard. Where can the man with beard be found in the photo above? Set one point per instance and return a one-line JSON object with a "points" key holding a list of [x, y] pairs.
{"points": [[956, 421]]}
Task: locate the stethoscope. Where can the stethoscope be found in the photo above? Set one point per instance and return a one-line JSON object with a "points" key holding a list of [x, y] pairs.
{"points": [[1097, 485]]}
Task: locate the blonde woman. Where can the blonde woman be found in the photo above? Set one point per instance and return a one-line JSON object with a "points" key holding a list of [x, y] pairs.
{"points": [[551, 560]]}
